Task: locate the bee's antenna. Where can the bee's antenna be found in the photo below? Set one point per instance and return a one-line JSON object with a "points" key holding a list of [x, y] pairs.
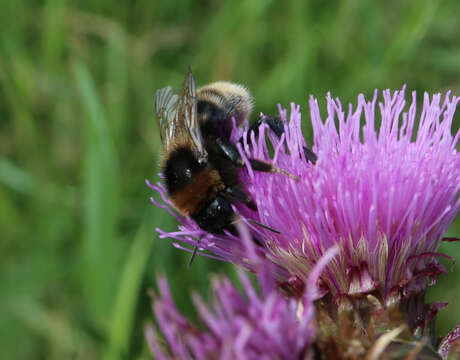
{"points": [[195, 250], [262, 225]]}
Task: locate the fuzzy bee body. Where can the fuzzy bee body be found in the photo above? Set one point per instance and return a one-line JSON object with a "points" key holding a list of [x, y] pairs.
{"points": [[197, 190], [200, 164], [218, 103]]}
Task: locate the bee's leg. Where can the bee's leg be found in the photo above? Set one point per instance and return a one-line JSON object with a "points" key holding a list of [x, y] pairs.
{"points": [[259, 165], [310, 155], [276, 125], [195, 250], [231, 151], [236, 192]]}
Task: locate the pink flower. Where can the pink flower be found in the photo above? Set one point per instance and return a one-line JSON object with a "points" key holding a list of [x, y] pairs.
{"points": [[384, 193], [239, 325]]}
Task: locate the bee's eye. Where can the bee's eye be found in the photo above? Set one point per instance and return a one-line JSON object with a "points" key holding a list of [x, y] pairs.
{"points": [[201, 161]]}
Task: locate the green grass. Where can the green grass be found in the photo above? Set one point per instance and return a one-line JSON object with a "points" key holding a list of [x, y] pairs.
{"points": [[78, 138]]}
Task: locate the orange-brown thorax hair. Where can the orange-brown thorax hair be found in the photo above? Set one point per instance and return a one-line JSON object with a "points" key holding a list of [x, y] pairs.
{"points": [[201, 189]]}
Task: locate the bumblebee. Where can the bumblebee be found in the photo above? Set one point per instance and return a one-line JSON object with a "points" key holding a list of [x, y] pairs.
{"points": [[200, 163]]}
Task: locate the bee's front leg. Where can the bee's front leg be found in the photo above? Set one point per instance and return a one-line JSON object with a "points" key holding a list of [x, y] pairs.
{"points": [[236, 192], [277, 126], [231, 151]]}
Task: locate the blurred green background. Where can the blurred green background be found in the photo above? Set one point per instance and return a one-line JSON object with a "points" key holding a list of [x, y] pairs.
{"points": [[78, 138]]}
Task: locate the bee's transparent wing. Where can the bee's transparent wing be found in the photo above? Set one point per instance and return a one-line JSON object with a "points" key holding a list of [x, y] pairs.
{"points": [[187, 114], [166, 111], [178, 116]]}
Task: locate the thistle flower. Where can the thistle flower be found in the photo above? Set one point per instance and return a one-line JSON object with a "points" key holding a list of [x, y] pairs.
{"points": [[385, 194], [450, 347], [236, 327], [239, 325]]}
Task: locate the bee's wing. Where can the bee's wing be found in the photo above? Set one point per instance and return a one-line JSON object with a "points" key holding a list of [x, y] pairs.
{"points": [[179, 116], [166, 111], [187, 114]]}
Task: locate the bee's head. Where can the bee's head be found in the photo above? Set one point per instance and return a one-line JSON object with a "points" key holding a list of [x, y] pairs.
{"points": [[218, 103]]}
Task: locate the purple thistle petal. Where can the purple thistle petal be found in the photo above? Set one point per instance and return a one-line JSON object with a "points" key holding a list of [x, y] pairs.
{"points": [[450, 345], [151, 336], [450, 239]]}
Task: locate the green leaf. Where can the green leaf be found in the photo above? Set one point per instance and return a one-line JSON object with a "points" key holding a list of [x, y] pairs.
{"points": [[100, 202]]}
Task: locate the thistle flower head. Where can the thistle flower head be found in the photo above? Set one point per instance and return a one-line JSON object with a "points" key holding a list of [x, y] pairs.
{"points": [[384, 193], [238, 325]]}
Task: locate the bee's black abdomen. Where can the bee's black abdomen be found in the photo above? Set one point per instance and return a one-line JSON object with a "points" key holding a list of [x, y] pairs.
{"points": [[216, 216], [179, 169]]}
